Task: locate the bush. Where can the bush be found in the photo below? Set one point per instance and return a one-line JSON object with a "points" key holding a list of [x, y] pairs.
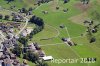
{"points": [[7, 17]]}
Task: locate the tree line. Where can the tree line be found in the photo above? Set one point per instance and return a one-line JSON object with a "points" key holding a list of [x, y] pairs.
{"points": [[39, 25], [29, 55], [6, 17]]}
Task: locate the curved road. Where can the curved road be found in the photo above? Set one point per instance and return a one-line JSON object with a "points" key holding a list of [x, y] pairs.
{"points": [[26, 20], [2, 37]]}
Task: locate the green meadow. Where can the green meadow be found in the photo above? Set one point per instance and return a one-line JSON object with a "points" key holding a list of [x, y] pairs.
{"points": [[55, 46]]}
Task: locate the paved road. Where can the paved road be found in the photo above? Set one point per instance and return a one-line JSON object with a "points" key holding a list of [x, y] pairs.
{"points": [[26, 19], [2, 37]]}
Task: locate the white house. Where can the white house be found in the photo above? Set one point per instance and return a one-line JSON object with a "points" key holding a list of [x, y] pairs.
{"points": [[46, 58]]}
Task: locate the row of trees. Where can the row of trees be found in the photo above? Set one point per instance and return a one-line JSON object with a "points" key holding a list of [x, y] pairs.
{"points": [[37, 20], [29, 55], [39, 25], [15, 17], [42, 1], [32, 56], [9, 1], [91, 29], [6, 17], [24, 10], [36, 30], [17, 50], [24, 41]]}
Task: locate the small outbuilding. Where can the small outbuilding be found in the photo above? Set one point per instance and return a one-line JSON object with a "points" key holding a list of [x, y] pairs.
{"points": [[46, 58]]}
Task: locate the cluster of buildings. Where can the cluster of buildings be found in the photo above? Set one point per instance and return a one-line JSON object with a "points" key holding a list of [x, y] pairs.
{"points": [[26, 32], [7, 58], [17, 17], [9, 40], [34, 47], [8, 27], [68, 41]]}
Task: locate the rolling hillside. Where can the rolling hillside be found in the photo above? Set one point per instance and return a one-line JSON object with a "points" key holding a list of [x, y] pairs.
{"points": [[74, 26]]}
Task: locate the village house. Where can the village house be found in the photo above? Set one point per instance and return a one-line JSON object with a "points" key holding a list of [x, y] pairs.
{"points": [[68, 41], [37, 46], [9, 26], [31, 47], [26, 32], [34, 47], [41, 53], [18, 18], [10, 43], [9, 59]]}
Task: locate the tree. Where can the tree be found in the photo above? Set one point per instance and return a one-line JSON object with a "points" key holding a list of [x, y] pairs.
{"points": [[44, 1], [32, 19], [36, 20], [66, 1], [1, 16], [23, 40], [7, 17], [9, 1], [85, 1], [31, 56], [41, 63], [31, 35], [17, 50], [39, 25], [24, 10], [93, 39], [30, 9]]}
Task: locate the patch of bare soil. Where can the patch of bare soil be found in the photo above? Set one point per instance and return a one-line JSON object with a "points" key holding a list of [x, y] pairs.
{"points": [[53, 5], [98, 1], [79, 19], [83, 7]]}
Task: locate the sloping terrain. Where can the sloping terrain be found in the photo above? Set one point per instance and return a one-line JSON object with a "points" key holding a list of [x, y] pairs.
{"points": [[73, 20]]}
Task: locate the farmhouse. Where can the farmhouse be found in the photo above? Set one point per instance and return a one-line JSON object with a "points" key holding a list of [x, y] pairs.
{"points": [[65, 10], [31, 47], [26, 32], [41, 53], [34, 47], [18, 18], [56, 24], [45, 12], [68, 41], [37, 46], [46, 58]]}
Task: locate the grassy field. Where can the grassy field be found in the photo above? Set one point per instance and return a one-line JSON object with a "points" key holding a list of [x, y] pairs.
{"points": [[73, 20], [62, 51], [17, 3]]}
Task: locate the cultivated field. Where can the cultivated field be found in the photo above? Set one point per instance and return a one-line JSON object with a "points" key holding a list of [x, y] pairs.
{"points": [[74, 27]]}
